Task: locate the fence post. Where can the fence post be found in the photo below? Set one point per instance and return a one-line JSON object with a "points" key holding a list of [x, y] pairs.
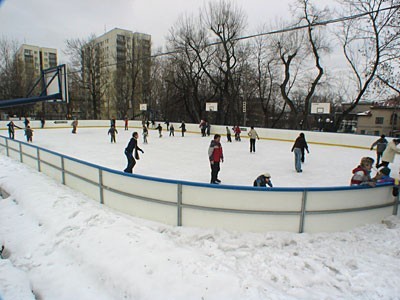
{"points": [[7, 151], [20, 152], [303, 211], [396, 205], [62, 170], [179, 205], [38, 159], [101, 186]]}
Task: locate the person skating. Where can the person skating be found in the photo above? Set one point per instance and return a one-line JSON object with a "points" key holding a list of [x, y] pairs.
{"points": [[113, 122], [216, 156], [126, 121], [237, 131], [145, 134], [380, 144], [74, 125], [26, 122], [362, 173], [228, 135], [11, 129], [159, 128], [29, 134], [113, 131], [253, 136], [383, 176], [208, 129], [298, 145], [389, 153], [263, 180], [131, 149], [167, 123], [42, 122], [171, 130], [183, 128], [203, 127]]}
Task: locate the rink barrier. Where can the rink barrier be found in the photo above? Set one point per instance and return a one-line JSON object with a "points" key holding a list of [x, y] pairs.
{"points": [[181, 203]]}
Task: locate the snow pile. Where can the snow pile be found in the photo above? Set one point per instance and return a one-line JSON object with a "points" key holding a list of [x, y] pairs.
{"points": [[70, 247]]}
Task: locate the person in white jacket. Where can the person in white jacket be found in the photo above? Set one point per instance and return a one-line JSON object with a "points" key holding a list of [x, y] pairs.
{"points": [[389, 153], [253, 136]]}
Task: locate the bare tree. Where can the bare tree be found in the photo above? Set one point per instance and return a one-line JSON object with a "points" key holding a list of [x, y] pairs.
{"points": [[369, 42]]}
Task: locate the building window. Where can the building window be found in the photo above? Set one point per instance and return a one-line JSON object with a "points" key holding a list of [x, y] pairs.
{"points": [[379, 120]]}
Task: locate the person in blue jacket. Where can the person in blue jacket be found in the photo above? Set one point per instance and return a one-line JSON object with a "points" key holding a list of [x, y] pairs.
{"points": [[263, 180]]}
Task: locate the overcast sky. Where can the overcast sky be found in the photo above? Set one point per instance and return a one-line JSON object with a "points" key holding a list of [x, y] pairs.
{"points": [[49, 23]]}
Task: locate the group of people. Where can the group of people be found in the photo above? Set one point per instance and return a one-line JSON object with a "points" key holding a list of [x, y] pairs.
{"points": [[28, 130]]}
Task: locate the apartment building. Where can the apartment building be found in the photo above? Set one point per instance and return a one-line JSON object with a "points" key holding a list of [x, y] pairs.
{"points": [[121, 61], [378, 120], [34, 59]]}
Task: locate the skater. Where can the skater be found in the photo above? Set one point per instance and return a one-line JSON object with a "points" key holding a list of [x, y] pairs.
{"points": [[42, 122], [263, 180], [389, 153], [167, 123], [237, 131], [203, 128], [362, 174], [380, 144], [26, 122], [129, 150], [383, 176], [145, 134], [159, 127], [113, 122], [208, 128], [148, 124], [183, 128], [299, 144], [126, 122], [153, 124], [216, 156], [172, 130], [112, 131], [29, 134], [74, 125], [253, 136], [228, 135], [11, 129]]}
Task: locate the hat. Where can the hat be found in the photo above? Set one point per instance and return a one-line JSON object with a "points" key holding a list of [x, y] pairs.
{"points": [[267, 175], [385, 171]]}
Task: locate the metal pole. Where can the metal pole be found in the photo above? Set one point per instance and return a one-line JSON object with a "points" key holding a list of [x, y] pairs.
{"points": [[303, 211], [62, 170], [396, 205], [38, 159], [7, 151], [179, 206], [101, 186], [20, 152]]}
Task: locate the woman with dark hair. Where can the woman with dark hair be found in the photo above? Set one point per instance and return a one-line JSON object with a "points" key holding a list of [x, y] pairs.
{"points": [[299, 145], [132, 147]]}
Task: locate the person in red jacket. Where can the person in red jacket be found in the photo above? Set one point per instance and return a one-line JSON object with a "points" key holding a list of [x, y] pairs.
{"points": [[362, 174], [216, 156]]}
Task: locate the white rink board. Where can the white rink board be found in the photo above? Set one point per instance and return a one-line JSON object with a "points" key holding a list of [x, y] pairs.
{"points": [[240, 222], [331, 200], [32, 162], [30, 150], [89, 189], [242, 199], [50, 158], [13, 145], [14, 154], [51, 172], [81, 169], [141, 187], [166, 214], [344, 221]]}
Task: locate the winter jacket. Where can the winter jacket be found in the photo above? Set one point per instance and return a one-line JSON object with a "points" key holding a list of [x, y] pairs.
{"points": [[390, 151], [262, 181], [132, 146], [300, 143], [28, 132], [253, 134], [380, 145], [360, 176], [112, 131], [215, 153], [385, 179]]}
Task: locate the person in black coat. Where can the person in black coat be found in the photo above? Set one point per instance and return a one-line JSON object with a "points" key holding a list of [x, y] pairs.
{"points": [[129, 150], [298, 148], [11, 129], [183, 128]]}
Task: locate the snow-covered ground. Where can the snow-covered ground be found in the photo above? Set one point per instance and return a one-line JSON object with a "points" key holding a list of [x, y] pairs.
{"points": [[62, 245]]}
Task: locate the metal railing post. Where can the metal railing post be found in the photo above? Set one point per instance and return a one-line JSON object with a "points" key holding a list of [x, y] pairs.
{"points": [[179, 205], [7, 151], [303, 211], [62, 170], [38, 160], [101, 186], [396, 205], [20, 152]]}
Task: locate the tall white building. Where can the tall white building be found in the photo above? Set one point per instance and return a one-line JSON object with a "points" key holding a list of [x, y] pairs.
{"points": [[35, 59], [122, 60]]}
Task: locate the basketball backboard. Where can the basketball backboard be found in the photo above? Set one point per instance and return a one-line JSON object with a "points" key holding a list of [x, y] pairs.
{"points": [[143, 107], [211, 106], [55, 82], [320, 108]]}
